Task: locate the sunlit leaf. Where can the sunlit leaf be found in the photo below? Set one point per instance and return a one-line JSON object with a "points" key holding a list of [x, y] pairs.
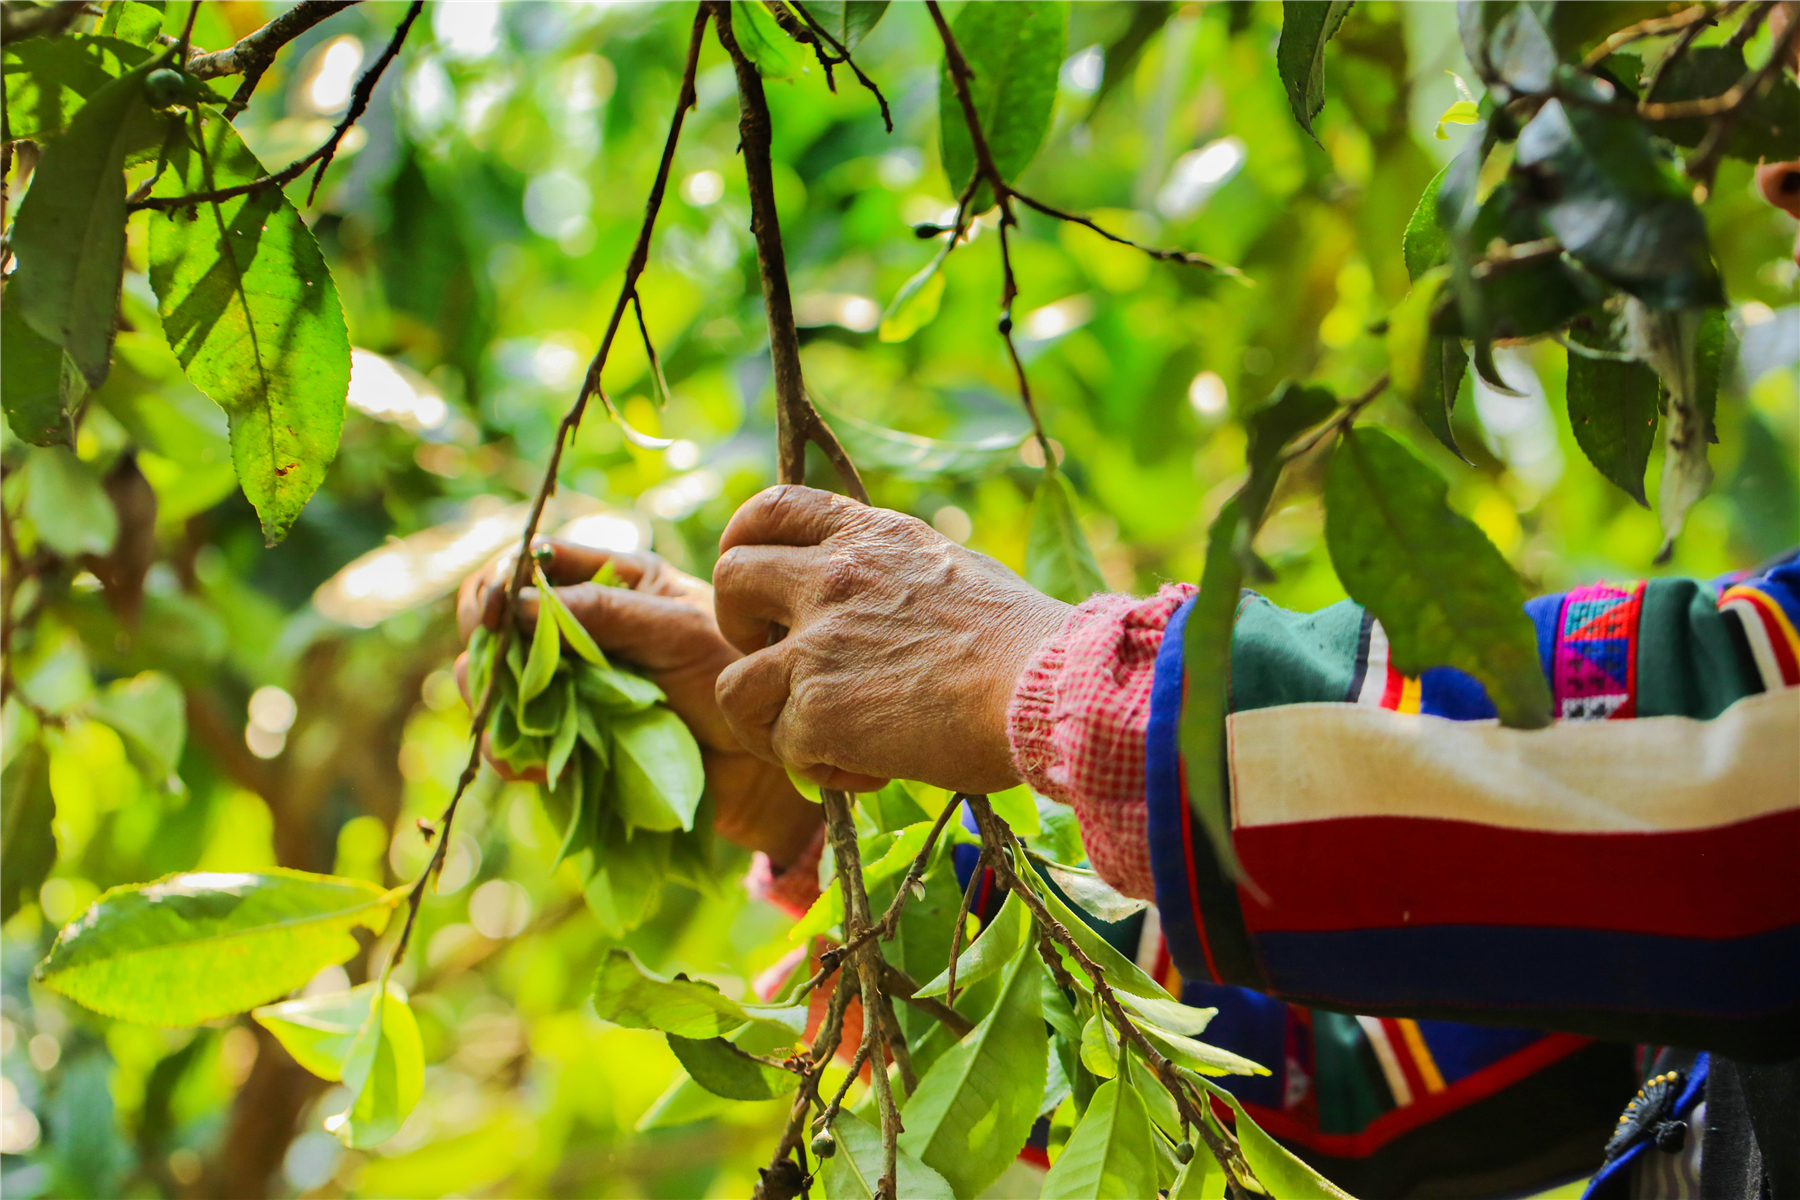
{"points": [[1306, 25], [574, 633], [974, 1108], [1058, 560], [1017, 806], [191, 948], [252, 314], [1443, 593], [48, 79], [854, 1173], [1123, 974], [1092, 894], [657, 775], [373, 1049], [1423, 244], [916, 303], [627, 994], [132, 21], [150, 713], [1100, 1047], [1275, 1168], [998, 945], [1111, 1154], [540, 665]]}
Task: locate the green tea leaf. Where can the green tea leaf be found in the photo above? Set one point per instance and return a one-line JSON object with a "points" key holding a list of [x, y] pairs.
{"points": [[915, 305], [657, 773], [1015, 51], [686, 1101], [66, 502], [1111, 1154], [27, 847], [627, 994], [482, 645], [1436, 583], [253, 316], [195, 947], [540, 664], [562, 743], [910, 456], [1615, 205], [1018, 808], [776, 55], [1423, 245], [39, 384], [1306, 25], [134, 22], [1099, 1047], [1199, 1057], [1612, 411], [719, 1068], [150, 713], [573, 632], [70, 232], [1090, 893], [384, 1070], [578, 795], [1426, 367], [611, 690], [1200, 1179], [849, 21], [855, 1172], [49, 79], [998, 945], [1280, 1173], [1767, 128], [975, 1107], [1058, 560], [1169, 1014], [1123, 974]]}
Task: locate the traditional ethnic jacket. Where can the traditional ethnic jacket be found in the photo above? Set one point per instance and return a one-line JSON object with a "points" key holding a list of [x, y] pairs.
{"points": [[1450, 933]]}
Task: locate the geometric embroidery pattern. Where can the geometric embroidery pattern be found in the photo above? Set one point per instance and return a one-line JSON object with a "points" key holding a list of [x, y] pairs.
{"points": [[1596, 653]]}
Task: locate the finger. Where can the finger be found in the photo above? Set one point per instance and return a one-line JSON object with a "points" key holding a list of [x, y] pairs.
{"points": [[839, 779], [754, 586], [571, 563], [789, 515], [461, 671], [752, 692]]}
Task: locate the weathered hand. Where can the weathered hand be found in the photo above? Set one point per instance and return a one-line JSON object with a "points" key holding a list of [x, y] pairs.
{"points": [[902, 647], [661, 620]]}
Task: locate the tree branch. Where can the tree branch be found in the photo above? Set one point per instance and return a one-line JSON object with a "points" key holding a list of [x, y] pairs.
{"points": [[359, 103], [253, 53], [843, 55]]}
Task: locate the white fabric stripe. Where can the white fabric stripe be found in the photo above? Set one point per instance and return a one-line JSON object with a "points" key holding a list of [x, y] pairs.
{"points": [[1374, 684], [1150, 943], [1758, 634], [1389, 1059], [1313, 762]]}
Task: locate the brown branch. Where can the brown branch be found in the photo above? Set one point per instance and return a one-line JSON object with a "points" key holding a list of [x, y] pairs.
{"points": [[1189, 258], [359, 103], [253, 53], [905, 988], [565, 433], [1705, 163], [1346, 416], [997, 841], [1699, 15], [843, 56], [1731, 99], [959, 929]]}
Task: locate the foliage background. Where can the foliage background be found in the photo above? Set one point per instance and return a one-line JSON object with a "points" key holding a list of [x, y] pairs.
{"points": [[477, 234]]}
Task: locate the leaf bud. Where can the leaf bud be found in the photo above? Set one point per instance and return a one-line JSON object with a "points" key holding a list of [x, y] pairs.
{"points": [[1184, 1151], [823, 1144], [926, 230], [544, 552], [1005, 324], [165, 88]]}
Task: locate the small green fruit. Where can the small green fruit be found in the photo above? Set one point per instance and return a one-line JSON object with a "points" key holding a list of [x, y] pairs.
{"points": [[823, 1144], [165, 88], [1184, 1151]]}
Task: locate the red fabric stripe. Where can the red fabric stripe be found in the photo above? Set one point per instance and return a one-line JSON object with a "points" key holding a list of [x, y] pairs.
{"points": [[1426, 1108], [1633, 619], [1784, 653], [1387, 872], [1396, 682], [1409, 1067], [1193, 877]]}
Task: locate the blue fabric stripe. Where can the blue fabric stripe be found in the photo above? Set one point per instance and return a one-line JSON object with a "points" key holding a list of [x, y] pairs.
{"points": [[1523, 968], [1164, 801], [1461, 1050], [1782, 585], [1248, 1023], [1448, 692], [1546, 616]]}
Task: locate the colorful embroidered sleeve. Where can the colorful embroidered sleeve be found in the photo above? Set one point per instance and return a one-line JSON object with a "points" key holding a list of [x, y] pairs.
{"points": [[1627, 874]]}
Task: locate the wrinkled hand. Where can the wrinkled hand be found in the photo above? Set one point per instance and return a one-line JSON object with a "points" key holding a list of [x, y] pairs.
{"points": [[661, 621], [902, 647]]}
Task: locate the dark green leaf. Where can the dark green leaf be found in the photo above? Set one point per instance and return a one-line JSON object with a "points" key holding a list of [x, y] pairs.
{"points": [[1423, 243], [1602, 190], [657, 774], [192, 948], [1767, 126], [1058, 560], [49, 79], [1612, 411], [66, 502], [1426, 366], [28, 848], [975, 1107], [849, 21], [1111, 1155], [1306, 25], [686, 1101], [134, 22], [36, 379], [626, 994], [1532, 297], [1015, 51], [540, 665], [70, 233], [1673, 343], [1508, 44], [610, 690], [252, 314], [854, 1173], [717, 1066], [1443, 593], [910, 456]]}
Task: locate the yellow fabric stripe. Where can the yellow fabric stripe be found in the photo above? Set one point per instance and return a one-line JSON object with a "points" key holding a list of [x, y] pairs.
{"points": [[1409, 696], [1772, 613], [1415, 1042]]}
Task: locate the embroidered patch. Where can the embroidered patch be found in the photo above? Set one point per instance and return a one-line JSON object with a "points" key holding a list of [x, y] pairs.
{"points": [[1774, 643], [1596, 653]]}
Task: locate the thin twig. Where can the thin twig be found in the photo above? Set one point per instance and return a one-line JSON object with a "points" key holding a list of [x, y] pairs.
{"points": [[1705, 164], [843, 55], [1189, 258], [565, 432], [359, 102], [187, 32], [959, 930], [1345, 417], [1699, 14], [1729, 100], [905, 988]]}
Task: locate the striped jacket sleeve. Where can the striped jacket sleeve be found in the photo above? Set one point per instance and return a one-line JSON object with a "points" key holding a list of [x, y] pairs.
{"points": [[1628, 873]]}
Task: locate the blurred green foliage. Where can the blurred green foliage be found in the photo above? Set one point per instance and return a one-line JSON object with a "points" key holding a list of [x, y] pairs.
{"points": [[476, 225]]}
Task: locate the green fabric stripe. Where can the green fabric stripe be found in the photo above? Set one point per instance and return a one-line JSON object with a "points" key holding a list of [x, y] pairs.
{"points": [[1688, 660]]}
